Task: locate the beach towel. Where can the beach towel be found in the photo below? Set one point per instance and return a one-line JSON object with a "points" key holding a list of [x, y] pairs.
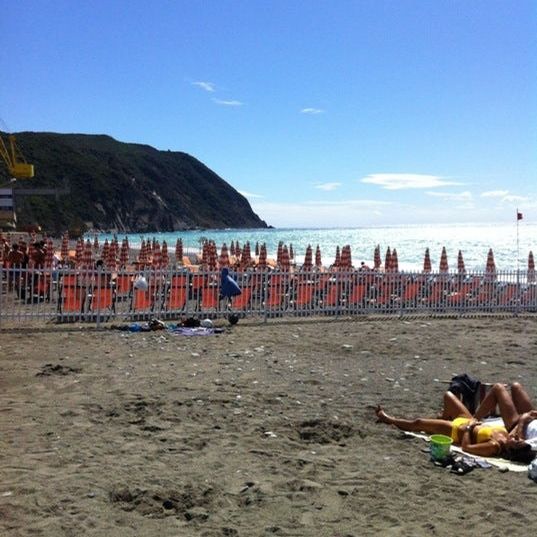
{"points": [[200, 331], [500, 463]]}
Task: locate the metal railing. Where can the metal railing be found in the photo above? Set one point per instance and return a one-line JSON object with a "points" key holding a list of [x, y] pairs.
{"points": [[97, 296]]}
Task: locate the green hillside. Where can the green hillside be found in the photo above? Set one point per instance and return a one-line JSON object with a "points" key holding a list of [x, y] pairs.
{"points": [[123, 187]]}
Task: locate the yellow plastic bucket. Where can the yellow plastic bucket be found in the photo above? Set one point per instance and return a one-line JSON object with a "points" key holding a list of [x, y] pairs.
{"points": [[440, 446]]}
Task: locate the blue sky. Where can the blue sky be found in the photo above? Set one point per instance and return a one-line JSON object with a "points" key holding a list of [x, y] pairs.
{"points": [[323, 113]]}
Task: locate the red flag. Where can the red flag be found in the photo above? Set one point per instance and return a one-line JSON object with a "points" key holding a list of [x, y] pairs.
{"points": [[518, 216]]}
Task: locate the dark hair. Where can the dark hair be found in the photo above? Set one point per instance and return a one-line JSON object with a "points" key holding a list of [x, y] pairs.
{"points": [[522, 453]]}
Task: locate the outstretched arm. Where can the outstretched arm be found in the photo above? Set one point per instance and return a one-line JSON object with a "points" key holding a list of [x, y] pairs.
{"points": [[484, 449]]}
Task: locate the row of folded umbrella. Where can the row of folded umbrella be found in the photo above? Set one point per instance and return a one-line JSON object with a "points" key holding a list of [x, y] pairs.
{"points": [[153, 254]]}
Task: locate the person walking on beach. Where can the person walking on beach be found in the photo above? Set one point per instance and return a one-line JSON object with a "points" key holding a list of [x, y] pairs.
{"points": [[472, 435]]}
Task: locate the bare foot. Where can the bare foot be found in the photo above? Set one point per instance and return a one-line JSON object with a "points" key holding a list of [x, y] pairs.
{"points": [[381, 415]]}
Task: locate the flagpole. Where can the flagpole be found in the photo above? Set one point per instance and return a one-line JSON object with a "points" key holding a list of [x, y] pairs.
{"points": [[517, 242], [517, 264]]}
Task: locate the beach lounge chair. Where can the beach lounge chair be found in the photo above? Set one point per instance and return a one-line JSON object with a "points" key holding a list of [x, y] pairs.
{"points": [[529, 298], [276, 291], [464, 291], [242, 301], [72, 299], [304, 293], [123, 285], [507, 296], [177, 292], [146, 300], [42, 286], [358, 294], [485, 295], [209, 297], [411, 292], [437, 294], [102, 299], [332, 294]]}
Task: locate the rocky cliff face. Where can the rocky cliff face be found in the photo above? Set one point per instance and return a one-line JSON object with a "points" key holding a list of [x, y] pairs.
{"points": [[124, 187]]}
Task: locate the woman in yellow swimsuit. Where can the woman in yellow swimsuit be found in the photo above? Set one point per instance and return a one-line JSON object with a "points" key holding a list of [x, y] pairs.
{"points": [[466, 431]]}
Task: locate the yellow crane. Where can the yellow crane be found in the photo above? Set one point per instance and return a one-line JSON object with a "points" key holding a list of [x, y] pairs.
{"points": [[16, 163]]}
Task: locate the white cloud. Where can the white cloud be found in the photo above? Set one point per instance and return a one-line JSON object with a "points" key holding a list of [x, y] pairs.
{"points": [[512, 198], [494, 193], [403, 181], [452, 196], [227, 103], [327, 186], [250, 195], [504, 196], [312, 111], [207, 86]]}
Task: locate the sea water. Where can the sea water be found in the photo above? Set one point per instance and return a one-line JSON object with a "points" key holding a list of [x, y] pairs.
{"points": [[474, 240]]}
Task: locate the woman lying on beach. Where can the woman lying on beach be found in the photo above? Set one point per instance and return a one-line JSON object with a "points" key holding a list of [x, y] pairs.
{"points": [[467, 432], [516, 410]]}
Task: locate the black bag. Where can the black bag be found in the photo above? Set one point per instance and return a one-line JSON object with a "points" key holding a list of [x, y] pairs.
{"points": [[468, 388]]}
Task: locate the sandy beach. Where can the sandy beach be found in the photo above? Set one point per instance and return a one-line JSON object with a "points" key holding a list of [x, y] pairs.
{"points": [[261, 430]]}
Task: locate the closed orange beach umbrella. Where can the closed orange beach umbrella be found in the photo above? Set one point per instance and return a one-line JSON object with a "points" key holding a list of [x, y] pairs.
{"points": [[395, 261], [142, 255], [213, 256], [96, 243], [157, 255], [345, 261], [223, 260], [337, 260], [114, 252], [110, 259], [427, 267], [124, 253], [491, 265], [279, 253], [238, 250], [388, 260], [87, 258], [262, 263], [49, 253], [308, 259], [531, 267], [285, 262], [460, 263], [179, 251], [79, 251], [246, 257], [377, 261], [205, 254], [65, 247], [291, 252], [444, 267], [165, 256], [256, 249], [318, 260], [232, 248], [105, 250], [115, 246], [31, 254]]}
